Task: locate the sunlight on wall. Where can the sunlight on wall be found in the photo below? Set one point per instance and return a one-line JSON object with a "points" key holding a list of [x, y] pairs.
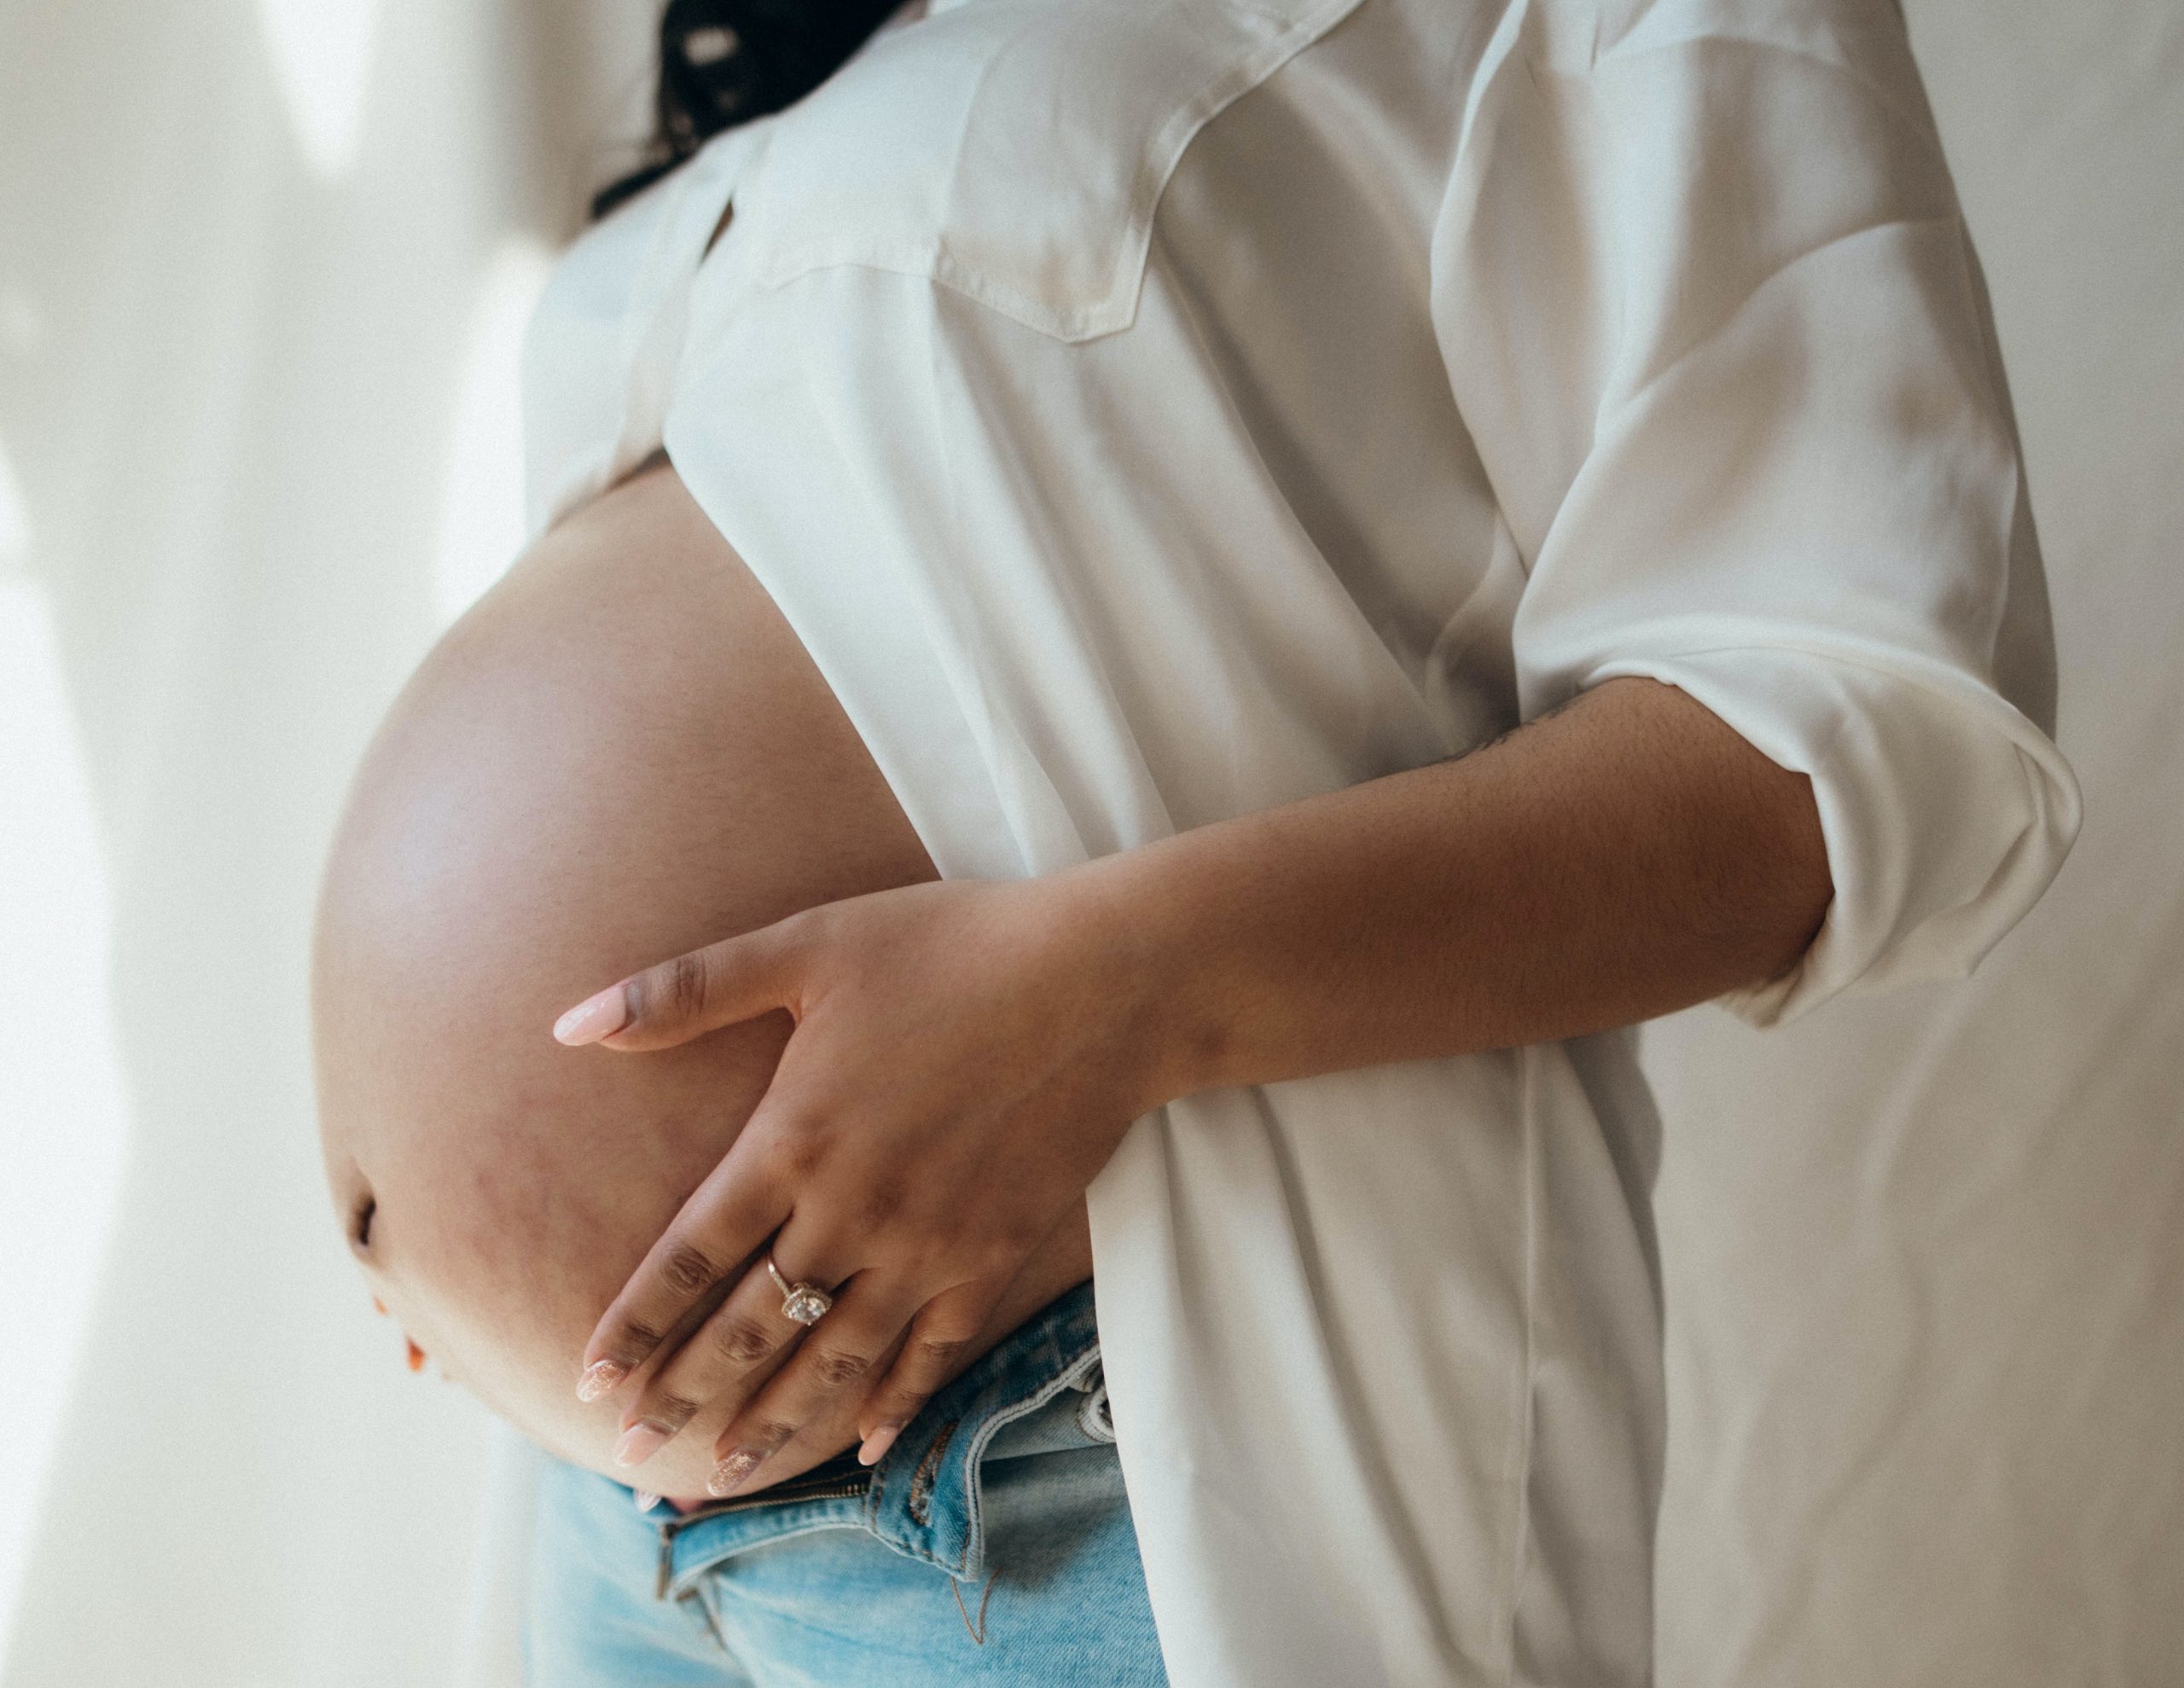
{"points": [[321, 56], [481, 509], [60, 1093]]}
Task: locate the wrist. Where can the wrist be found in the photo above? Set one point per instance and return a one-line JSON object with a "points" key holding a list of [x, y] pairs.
{"points": [[1157, 972]]}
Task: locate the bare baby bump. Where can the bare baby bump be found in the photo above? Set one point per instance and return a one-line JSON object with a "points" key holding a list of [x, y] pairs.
{"points": [[622, 752]]}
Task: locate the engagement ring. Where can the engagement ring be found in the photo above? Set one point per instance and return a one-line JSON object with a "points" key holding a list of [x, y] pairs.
{"points": [[805, 1303]]}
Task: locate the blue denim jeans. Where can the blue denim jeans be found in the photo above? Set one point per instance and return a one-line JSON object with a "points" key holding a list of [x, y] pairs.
{"points": [[992, 1544]]}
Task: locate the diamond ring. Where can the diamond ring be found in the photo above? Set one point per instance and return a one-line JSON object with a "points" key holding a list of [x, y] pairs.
{"points": [[805, 1303]]}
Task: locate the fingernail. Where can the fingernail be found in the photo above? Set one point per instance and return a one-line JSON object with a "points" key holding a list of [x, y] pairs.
{"points": [[645, 1500], [732, 1469], [417, 1355], [595, 1018], [876, 1445], [641, 1442], [601, 1376], [379, 1307]]}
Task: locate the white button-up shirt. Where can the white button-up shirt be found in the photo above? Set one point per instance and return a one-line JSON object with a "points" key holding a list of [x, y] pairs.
{"points": [[1147, 411]]}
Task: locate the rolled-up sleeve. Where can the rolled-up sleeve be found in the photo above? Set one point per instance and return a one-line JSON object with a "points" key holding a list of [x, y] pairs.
{"points": [[1711, 312]]}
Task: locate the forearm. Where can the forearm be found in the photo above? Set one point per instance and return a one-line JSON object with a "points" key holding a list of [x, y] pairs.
{"points": [[1625, 857]]}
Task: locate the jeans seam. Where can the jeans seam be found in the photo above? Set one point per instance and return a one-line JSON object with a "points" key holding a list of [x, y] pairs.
{"points": [[919, 1502]]}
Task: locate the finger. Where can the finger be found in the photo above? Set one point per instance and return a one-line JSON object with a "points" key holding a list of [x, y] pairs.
{"points": [[837, 1355], [739, 978], [943, 1329], [728, 1358], [709, 1243]]}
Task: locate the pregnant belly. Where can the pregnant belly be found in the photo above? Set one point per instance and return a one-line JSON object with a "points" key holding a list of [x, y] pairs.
{"points": [[796, 811]]}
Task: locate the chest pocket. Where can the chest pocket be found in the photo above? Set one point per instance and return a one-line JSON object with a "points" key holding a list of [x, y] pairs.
{"points": [[1013, 150]]}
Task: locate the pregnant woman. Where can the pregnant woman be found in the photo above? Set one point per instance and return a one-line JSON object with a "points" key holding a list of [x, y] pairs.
{"points": [[1155, 624]]}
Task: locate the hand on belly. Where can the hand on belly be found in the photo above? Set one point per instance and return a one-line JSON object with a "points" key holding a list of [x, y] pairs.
{"points": [[622, 749], [1060, 1264]]}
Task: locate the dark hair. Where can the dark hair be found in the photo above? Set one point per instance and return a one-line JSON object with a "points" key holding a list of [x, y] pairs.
{"points": [[722, 63]]}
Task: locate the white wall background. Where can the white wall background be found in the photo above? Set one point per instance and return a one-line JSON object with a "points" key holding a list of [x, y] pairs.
{"points": [[261, 270]]}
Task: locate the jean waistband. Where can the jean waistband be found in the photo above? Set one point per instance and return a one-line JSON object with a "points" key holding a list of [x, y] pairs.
{"points": [[922, 1497]]}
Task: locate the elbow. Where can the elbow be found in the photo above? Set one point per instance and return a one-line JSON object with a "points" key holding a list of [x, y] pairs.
{"points": [[1754, 875], [1787, 885]]}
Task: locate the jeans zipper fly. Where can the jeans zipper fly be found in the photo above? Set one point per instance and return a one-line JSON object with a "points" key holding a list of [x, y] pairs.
{"points": [[792, 1493]]}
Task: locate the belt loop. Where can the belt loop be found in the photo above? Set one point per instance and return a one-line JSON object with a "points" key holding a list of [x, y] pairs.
{"points": [[1096, 1416]]}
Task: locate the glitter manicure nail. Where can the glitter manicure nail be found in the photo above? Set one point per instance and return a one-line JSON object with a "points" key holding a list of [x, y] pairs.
{"points": [[732, 1469], [601, 1376]]}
